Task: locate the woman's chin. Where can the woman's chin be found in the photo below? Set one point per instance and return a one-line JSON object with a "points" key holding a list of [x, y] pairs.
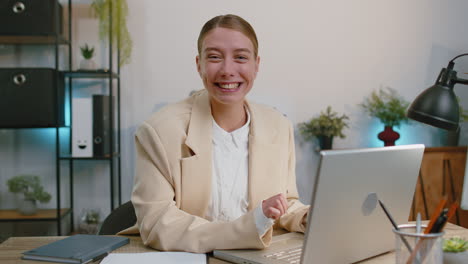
{"points": [[228, 99]]}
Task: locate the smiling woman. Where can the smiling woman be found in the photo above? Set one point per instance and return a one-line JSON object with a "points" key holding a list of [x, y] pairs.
{"points": [[203, 163]]}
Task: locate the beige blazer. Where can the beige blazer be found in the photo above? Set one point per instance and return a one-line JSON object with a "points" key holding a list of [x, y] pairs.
{"points": [[172, 185]]}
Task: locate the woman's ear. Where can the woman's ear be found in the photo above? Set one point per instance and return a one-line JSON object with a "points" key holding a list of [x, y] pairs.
{"points": [[257, 65], [197, 61]]}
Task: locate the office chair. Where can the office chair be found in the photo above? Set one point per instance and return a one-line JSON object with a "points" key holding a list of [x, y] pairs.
{"points": [[119, 219]]}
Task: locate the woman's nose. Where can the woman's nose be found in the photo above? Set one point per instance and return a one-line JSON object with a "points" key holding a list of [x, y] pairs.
{"points": [[227, 67]]}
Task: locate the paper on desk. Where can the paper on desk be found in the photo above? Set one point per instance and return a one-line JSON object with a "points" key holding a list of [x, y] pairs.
{"points": [[155, 257]]}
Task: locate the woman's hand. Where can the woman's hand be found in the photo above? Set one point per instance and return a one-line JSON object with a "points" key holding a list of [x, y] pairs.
{"points": [[275, 206]]}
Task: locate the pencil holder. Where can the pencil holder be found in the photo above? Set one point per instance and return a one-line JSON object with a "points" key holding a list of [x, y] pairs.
{"points": [[417, 248]]}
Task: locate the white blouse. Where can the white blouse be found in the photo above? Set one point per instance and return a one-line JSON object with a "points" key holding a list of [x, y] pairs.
{"points": [[229, 184]]}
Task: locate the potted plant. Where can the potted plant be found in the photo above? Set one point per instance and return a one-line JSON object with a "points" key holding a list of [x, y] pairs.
{"points": [[455, 250], [87, 63], [120, 35], [324, 127], [390, 108], [89, 221], [32, 190]]}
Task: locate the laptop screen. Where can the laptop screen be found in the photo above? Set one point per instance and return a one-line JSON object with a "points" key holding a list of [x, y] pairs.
{"points": [[344, 225]]}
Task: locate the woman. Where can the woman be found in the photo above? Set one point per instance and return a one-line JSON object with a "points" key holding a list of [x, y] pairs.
{"points": [[215, 171]]}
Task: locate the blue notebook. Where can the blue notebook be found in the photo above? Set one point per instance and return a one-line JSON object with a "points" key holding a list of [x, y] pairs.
{"points": [[76, 249]]}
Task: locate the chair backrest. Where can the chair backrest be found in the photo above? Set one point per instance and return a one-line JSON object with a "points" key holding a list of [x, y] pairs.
{"points": [[119, 219]]}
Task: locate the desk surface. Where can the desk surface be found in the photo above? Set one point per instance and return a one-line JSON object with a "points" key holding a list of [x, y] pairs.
{"points": [[11, 249]]}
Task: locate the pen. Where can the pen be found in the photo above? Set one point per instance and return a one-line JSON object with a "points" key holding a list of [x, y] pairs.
{"points": [[395, 225], [418, 231], [440, 222], [434, 216], [97, 258], [418, 223]]}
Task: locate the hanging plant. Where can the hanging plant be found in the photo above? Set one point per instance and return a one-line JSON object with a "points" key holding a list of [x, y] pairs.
{"points": [[119, 29]]}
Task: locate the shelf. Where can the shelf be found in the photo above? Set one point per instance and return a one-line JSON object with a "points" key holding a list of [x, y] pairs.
{"points": [[33, 40], [90, 158], [41, 215], [91, 74]]}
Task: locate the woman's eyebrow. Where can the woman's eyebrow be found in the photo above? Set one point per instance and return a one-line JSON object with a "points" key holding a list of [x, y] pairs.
{"points": [[236, 50], [211, 49], [243, 50]]}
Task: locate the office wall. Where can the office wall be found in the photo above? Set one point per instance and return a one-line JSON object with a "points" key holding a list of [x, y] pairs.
{"points": [[313, 54]]}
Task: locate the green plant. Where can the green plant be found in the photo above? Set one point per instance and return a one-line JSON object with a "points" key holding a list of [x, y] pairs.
{"points": [[119, 31], [386, 105], [328, 124], [30, 186], [91, 217], [87, 52], [463, 113], [455, 244]]}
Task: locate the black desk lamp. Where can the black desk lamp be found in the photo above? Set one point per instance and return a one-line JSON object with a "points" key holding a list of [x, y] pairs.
{"points": [[438, 105]]}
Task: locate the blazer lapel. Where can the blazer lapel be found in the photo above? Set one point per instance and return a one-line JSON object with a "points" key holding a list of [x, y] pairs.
{"points": [[196, 169], [262, 150]]}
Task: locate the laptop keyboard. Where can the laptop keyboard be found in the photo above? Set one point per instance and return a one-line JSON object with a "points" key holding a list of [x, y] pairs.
{"points": [[292, 255]]}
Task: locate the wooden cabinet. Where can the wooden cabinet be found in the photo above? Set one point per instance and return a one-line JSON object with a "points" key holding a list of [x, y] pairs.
{"points": [[442, 174]]}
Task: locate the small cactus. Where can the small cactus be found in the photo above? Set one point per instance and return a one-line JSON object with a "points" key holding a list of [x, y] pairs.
{"points": [[87, 51], [455, 244]]}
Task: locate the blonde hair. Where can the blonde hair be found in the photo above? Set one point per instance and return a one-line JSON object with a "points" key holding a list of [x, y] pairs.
{"points": [[232, 22]]}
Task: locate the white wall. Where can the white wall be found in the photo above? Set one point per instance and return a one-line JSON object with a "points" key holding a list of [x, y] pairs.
{"points": [[313, 54]]}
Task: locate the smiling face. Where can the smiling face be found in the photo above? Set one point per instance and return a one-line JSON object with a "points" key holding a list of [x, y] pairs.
{"points": [[227, 65]]}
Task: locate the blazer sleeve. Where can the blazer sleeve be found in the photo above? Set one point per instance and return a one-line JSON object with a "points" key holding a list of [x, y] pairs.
{"points": [[293, 220], [162, 225]]}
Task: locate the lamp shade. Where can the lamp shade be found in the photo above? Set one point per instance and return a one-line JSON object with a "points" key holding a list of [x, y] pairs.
{"points": [[436, 106]]}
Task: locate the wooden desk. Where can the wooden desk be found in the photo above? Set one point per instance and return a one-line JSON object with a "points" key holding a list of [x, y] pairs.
{"points": [[11, 249]]}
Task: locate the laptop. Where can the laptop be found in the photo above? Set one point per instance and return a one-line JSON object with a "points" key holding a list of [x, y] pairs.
{"points": [[345, 224]]}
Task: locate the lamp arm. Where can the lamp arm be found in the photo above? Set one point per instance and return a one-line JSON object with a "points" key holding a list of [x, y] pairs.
{"points": [[450, 75], [460, 80], [461, 55]]}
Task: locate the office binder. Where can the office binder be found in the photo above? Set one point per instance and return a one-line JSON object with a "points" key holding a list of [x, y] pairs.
{"points": [[82, 123], [101, 126], [76, 249]]}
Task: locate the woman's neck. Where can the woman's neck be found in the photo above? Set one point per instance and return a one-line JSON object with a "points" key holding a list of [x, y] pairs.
{"points": [[229, 117]]}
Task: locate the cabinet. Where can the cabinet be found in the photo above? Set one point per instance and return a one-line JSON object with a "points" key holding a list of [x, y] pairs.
{"points": [[442, 174], [64, 83]]}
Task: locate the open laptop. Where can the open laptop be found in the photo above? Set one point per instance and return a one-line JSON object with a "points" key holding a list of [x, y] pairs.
{"points": [[345, 224]]}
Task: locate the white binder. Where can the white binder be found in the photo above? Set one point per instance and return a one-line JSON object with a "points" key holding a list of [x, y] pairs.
{"points": [[82, 127]]}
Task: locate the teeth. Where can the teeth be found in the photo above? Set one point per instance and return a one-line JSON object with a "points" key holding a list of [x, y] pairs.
{"points": [[229, 85]]}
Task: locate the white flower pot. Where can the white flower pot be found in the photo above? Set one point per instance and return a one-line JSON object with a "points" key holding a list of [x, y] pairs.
{"points": [[27, 207], [87, 64], [456, 258]]}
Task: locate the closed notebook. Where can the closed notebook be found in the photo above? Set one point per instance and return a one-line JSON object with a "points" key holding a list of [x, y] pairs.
{"points": [[76, 249]]}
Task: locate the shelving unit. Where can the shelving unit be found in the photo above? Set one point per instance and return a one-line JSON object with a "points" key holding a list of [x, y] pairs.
{"points": [[64, 156]]}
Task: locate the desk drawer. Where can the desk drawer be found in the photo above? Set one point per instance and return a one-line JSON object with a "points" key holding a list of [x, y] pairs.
{"points": [[31, 97], [29, 17]]}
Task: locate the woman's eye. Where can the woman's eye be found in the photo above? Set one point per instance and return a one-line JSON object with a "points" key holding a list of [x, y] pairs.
{"points": [[242, 58], [213, 57]]}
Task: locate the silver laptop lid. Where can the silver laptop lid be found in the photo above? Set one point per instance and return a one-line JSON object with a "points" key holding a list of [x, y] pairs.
{"points": [[339, 229]]}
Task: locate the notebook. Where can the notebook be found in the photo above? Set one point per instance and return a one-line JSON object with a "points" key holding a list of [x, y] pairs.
{"points": [[76, 249], [345, 224]]}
